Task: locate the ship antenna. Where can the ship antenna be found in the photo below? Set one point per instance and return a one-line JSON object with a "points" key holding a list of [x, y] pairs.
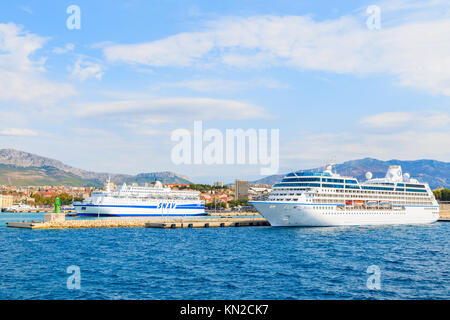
{"points": [[108, 183]]}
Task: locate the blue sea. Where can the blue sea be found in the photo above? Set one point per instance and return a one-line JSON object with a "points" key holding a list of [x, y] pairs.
{"points": [[224, 263]]}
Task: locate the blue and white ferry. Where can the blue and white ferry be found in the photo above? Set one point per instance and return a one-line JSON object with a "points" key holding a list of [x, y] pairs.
{"points": [[128, 201], [327, 199]]}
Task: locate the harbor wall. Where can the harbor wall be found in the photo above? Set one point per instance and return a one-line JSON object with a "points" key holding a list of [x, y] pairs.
{"points": [[444, 208], [133, 223]]}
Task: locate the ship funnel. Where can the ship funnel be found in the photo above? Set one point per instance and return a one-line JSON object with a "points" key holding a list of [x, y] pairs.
{"points": [[407, 177], [394, 174], [158, 184]]}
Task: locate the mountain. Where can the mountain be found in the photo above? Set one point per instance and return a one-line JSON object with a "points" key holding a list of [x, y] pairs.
{"points": [[23, 168], [164, 177], [276, 178], [435, 173], [49, 176]]}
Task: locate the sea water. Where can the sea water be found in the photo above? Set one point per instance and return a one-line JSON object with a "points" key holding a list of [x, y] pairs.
{"points": [[224, 263]]}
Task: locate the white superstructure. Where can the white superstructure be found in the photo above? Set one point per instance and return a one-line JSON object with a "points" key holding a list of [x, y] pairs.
{"points": [[328, 199], [141, 201]]}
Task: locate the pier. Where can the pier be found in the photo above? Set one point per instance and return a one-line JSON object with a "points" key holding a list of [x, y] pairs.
{"points": [[37, 210], [214, 223], [185, 222]]}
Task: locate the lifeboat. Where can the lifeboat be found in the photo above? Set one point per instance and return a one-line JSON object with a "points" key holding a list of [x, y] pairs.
{"points": [[385, 204], [372, 203]]}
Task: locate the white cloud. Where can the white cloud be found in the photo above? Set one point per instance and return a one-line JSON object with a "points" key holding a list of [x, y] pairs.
{"points": [[400, 5], [160, 110], [144, 130], [92, 132], [67, 48], [18, 132], [399, 135], [163, 52], [85, 69], [26, 9], [416, 53], [343, 146], [400, 120], [21, 79], [221, 85]]}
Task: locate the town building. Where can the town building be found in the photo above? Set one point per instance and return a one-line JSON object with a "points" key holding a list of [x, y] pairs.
{"points": [[241, 190], [6, 200]]}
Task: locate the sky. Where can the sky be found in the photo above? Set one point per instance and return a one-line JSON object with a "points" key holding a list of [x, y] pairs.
{"points": [[107, 96]]}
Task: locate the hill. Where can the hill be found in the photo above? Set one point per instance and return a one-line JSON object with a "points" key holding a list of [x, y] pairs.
{"points": [[51, 176], [23, 168]]}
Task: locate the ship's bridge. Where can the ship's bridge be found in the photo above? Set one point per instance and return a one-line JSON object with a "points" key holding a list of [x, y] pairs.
{"points": [[308, 181], [315, 179], [158, 191]]}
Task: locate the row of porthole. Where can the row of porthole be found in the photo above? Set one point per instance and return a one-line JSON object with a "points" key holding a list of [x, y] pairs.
{"points": [[347, 212]]}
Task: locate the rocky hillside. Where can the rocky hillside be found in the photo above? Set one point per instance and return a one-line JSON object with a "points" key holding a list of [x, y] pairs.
{"points": [[23, 168]]}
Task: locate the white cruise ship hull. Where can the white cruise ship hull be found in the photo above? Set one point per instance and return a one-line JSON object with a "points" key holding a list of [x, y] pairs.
{"points": [[281, 214]]}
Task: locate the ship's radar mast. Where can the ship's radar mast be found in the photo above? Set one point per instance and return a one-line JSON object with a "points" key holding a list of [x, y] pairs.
{"points": [[394, 174], [108, 183], [329, 168]]}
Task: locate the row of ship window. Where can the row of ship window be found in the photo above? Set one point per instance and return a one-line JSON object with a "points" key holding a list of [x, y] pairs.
{"points": [[288, 179], [389, 195], [317, 185], [412, 202], [312, 179], [315, 174], [352, 212], [370, 195]]}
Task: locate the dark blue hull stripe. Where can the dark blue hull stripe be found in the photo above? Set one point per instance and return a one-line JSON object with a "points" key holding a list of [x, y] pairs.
{"points": [[136, 215], [141, 207]]}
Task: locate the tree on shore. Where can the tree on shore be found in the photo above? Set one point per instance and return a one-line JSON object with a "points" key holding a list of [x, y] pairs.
{"points": [[442, 195], [65, 198]]}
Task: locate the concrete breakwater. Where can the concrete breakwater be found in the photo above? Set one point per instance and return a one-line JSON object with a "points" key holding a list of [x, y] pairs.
{"points": [[36, 210], [233, 213], [214, 223], [444, 211], [134, 223]]}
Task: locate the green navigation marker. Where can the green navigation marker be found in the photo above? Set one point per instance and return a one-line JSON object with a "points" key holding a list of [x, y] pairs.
{"points": [[57, 205]]}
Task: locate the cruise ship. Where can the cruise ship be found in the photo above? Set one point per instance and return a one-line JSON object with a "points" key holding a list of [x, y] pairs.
{"points": [[325, 198], [141, 201]]}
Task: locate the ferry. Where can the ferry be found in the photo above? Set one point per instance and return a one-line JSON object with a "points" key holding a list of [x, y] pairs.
{"points": [[325, 198], [136, 201], [18, 207]]}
